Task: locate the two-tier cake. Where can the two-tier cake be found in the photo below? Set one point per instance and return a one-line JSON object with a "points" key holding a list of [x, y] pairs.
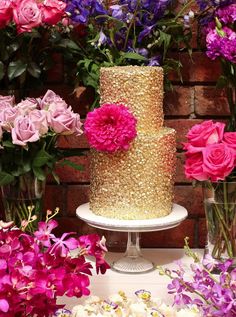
{"points": [[138, 183]]}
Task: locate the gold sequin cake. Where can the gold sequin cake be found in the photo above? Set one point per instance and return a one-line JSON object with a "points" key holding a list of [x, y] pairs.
{"points": [[138, 183]]}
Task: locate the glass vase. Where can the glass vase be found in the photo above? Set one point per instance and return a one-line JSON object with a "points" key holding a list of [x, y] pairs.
{"points": [[23, 199], [220, 210]]}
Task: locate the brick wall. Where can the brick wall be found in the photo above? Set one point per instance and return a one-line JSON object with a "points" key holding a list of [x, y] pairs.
{"points": [[191, 101]]}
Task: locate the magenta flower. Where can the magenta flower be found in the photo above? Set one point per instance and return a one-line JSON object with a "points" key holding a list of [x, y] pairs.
{"points": [[35, 270], [110, 128], [43, 234]]}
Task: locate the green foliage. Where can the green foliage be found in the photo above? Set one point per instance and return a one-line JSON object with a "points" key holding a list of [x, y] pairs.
{"points": [[25, 58]]}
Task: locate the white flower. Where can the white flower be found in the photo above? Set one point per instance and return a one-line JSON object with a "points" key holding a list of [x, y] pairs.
{"points": [[116, 298], [92, 300], [138, 310], [168, 311], [189, 312], [79, 311]]}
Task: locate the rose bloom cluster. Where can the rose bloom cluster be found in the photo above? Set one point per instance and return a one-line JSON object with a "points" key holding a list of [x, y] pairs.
{"points": [[32, 119], [119, 305], [210, 152], [28, 14], [36, 269], [110, 128]]}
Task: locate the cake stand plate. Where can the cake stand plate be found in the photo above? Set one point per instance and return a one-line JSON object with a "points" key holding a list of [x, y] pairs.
{"points": [[133, 261]]}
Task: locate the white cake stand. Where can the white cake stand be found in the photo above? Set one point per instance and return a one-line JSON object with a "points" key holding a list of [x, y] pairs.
{"points": [[133, 261]]}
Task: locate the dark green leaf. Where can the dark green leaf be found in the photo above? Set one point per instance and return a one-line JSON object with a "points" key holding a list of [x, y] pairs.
{"points": [[135, 56], [72, 164], [66, 43], [222, 81], [39, 173], [56, 177], [6, 178], [8, 144], [15, 69], [34, 70], [41, 158], [1, 70]]}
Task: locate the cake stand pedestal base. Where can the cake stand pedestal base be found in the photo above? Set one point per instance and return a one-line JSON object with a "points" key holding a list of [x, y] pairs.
{"points": [[133, 261]]}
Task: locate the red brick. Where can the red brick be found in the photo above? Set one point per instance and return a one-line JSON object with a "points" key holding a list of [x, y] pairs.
{"points": [[73, 141], [171, 238], [68, 174], [182, 127], [199, 68], [180, 176], [210, 101], [55, 196], [202, 233], [76, 196], [179, 101], [191, 198]]}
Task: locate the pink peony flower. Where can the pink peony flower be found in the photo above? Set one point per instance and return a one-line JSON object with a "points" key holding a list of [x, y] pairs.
{"points": [[52, 11], [218, 161], [5, 12], [24, 131], [110, 128], [194, 167], [26, 15], [203, 134]]}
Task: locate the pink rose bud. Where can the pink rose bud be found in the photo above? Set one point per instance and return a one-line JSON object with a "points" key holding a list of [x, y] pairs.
{"points": [[24, 131], [63, 121]]}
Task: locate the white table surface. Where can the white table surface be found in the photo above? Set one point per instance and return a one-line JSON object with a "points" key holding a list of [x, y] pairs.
{"points": [[112, 282]]}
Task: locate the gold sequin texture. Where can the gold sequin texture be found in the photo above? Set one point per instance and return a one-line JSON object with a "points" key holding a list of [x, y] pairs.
{"points": [[138, 183]]}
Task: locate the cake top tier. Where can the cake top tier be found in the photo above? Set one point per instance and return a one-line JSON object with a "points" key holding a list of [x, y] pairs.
{"points": [[138, 87]]}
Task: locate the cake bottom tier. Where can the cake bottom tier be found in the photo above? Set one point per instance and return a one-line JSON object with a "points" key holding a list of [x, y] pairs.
{"points": [[138, 183]]}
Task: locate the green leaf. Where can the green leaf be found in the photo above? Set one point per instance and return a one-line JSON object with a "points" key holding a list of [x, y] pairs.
{"points": [[66, 43], [6, 178], [221, 82], [135, 56], [41, 158], [15, 69], [1, 70], [56, 177], [39, 173], [34, 70], [72, 164], [8, 144]]}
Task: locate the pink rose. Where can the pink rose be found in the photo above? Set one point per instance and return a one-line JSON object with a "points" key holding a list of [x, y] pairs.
{"points": [[5, 12], [52, 11], [39, 119], [26, 106], [24, 131], [7, 117], [218, 161], [203, 134], [194, 167], [230, 139], [78, 125], [52, 102], [63, 121], [27, 15]]}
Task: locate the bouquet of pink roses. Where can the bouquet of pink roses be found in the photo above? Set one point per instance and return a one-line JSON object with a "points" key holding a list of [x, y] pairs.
{"points": [[29, 132], [36, 269], [30, 31], [211, 158]]}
